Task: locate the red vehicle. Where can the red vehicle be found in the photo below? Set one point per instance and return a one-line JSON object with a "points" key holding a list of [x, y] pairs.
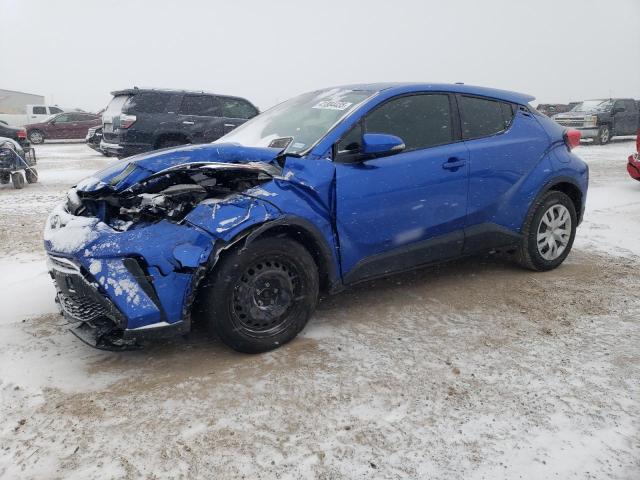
{"points": [[633, 167], [68, 125]]}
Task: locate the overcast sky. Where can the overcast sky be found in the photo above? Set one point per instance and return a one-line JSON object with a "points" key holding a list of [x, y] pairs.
{"points": [[76, 51]]}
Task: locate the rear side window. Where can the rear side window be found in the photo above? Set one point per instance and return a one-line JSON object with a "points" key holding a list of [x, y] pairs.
{"points": [[39, 110], [151, 102], [201, 105], [237, 108], [482, 117], [419, 120]]}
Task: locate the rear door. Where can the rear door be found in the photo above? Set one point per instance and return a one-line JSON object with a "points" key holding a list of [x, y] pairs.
{"points": [[61, 127], [200, 118], [505, 143], [81, 123], [235, 112]]}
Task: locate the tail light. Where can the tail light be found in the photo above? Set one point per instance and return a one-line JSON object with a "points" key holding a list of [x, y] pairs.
{"points": [[22, 134], [127, 120], [572, 138]]}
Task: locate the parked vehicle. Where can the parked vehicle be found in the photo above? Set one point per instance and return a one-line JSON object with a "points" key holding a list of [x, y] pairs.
{"points": [[328, 189], [30, 114], [19, 134], [633, 165], [550, 109], [93, 139], [141, 120], [69, 125], [17, 163], [602, 119]]}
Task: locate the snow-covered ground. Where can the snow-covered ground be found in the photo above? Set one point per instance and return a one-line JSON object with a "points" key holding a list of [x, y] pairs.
{"points": [[473, 370]]}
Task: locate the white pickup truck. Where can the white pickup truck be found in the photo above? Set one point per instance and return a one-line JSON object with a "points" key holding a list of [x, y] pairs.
{"points": [[32, 114]]}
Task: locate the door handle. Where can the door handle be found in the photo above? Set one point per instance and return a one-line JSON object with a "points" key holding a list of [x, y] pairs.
{"points": [[454, 164], [187, 122], [230, 125]]}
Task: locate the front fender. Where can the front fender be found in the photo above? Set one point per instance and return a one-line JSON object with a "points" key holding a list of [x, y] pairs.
{"points": [[225, 219]]}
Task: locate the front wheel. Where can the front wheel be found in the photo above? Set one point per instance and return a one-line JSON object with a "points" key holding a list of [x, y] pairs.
{"points": [[260, 297], [549, 232], [36, 136]]}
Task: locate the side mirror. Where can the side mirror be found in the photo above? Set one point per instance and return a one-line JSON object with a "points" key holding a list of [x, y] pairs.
{"points": [[380, 144]]}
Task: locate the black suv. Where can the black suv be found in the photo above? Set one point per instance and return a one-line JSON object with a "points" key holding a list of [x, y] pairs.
{"points": [[602, 119], [139, 120]]}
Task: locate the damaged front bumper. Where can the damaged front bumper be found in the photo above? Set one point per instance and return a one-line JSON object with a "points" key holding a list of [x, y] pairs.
{"points": [[95, 318], [121, 288]]}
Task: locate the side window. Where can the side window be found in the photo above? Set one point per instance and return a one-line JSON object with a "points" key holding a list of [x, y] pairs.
{"points": [[39, 110], [81, 117], [352, 141], [151, 102], [237, 108], [64, 118], [482, 117], [619, 105], [420, 120], [201, 105], [53, 110]]}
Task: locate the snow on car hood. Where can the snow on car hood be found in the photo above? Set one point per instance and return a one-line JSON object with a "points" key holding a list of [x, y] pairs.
{"points": [[134, 169]]}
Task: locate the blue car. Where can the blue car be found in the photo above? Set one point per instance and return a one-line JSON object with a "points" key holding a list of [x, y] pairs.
{"points": [[325, 190]]}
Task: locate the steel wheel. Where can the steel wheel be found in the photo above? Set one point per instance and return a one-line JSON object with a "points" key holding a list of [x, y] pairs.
{"points": [[263, 297], [554, 232]]}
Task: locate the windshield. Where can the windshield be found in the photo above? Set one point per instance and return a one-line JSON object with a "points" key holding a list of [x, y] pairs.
{"points": [[299, 123], [593, 106]]}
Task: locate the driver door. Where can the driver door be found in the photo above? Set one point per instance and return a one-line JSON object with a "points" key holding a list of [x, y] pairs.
{"points": [[60, 127], [400, 211]]}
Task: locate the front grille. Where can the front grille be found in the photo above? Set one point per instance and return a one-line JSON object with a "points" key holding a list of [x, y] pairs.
{"points": [[81, 308], [571, 121]]}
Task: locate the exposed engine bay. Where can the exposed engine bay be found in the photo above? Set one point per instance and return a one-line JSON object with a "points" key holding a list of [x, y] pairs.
{"points": [[169, 194]]}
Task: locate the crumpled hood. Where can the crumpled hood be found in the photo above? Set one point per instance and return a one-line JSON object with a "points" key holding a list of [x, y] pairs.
{"points": [[132, 170]]}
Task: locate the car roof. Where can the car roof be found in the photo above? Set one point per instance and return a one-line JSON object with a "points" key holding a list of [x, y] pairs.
{"points": [[136, 90], [400, 88]]}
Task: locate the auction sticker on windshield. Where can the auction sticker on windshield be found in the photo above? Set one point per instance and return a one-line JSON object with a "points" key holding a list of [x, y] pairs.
{"points": [[332, 105]]}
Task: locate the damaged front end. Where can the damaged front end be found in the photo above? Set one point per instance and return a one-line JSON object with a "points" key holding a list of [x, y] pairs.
{"points": [[127, 256]]}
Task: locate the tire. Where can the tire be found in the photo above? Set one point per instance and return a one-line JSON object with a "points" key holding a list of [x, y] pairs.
{"points": [[541, 256], [32, 175], [36, 137], [169, 143], [604, 135], [18, 180], [260, 297]]}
